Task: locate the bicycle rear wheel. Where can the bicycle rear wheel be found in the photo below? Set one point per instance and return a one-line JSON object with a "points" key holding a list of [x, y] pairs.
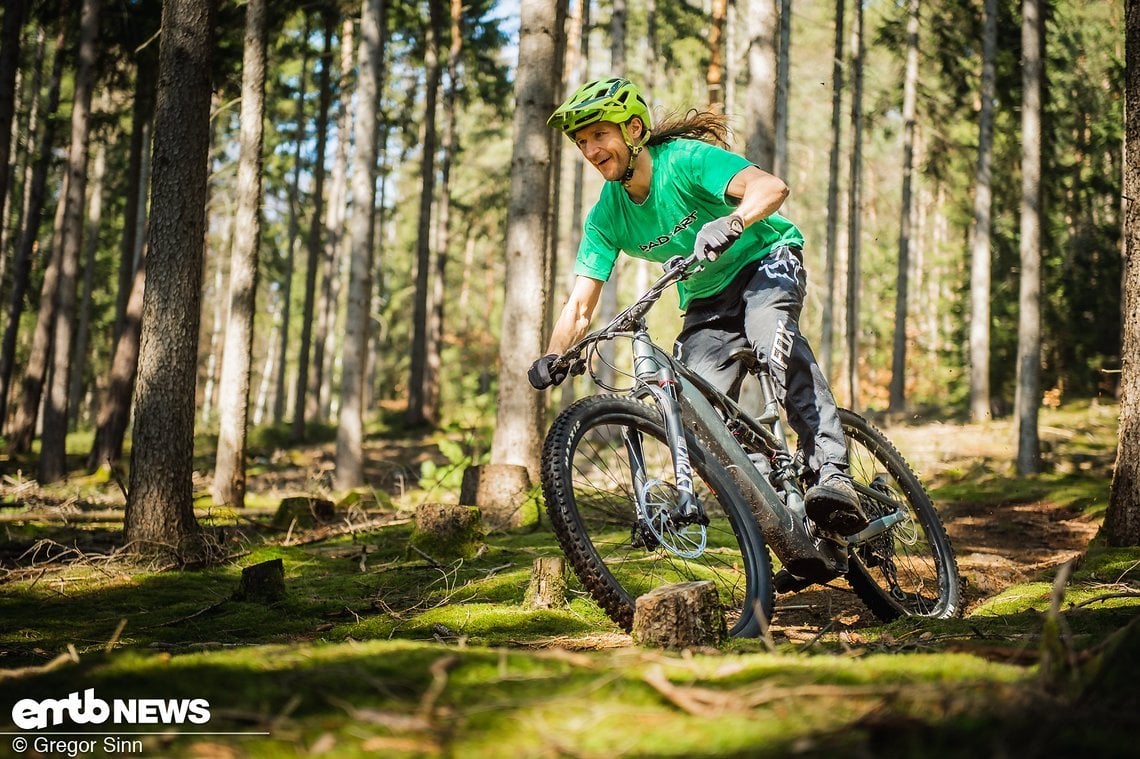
{"points": [[608, 527], [909, 570]]}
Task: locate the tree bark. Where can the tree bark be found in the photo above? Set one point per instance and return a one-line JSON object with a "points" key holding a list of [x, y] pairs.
{"points": [[27, 243], [854, 210], [418, 410], [303, 408], [10, 34], [897, 392], [159, 516], [350, 428], [83, 329], [828, 327], [281, 396], [1028, 398], [53, 446], [980, 237], [517, 438], [763, 31], [714, 77], [1122, 520], [783, 75], [237, 354]]}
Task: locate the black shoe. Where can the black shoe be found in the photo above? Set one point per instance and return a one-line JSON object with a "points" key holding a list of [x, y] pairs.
{"points": [[834, 506]]}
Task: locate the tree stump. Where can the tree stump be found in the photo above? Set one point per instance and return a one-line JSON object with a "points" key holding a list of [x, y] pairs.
{"points": [[499, 490], [682, 615], [446, 531], [308, 512], [547, 589], [262, 583]]}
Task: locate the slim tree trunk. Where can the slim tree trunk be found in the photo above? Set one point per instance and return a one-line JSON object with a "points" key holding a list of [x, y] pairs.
{"points": [[854, 198], [783, 75], [53, 446], [714, 77], [10, 34], [517, 438], [980, 237], [1028, 398], [138, 162], [897, 399], [450, 142], [159, 516], [302, 407], [763, 31], [281, 396], [1122, 520], [350, 428], [233, 400], [27, 243], [417, 392], [115, 411], [828, 327], [90, 246], [326, 353]]}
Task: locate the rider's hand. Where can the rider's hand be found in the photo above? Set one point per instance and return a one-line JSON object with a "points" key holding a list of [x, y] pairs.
{"points": [[716, 237], [541, 374]]}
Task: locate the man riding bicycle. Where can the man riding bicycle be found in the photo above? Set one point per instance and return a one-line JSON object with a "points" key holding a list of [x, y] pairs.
{"points": [[676, 190]]}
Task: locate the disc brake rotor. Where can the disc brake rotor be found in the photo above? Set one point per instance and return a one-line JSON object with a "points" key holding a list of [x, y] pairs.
{"points": [[654, 504]]}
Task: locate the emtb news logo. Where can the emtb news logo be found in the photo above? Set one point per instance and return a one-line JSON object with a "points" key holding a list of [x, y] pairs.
{"points": [[87, 709]]}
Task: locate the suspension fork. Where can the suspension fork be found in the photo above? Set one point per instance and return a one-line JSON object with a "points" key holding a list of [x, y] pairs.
{"points": [[658, 380]]}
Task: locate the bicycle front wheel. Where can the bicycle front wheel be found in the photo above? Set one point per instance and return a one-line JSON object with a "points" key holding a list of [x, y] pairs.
{"points": [[909, 570], [607, 477]]}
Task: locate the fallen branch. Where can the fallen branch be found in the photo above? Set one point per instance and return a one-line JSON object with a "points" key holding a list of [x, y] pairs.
{"points": [[70, 657]]}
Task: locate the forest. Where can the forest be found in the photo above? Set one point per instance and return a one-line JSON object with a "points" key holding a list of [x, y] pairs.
{"points": [[258, 253]]}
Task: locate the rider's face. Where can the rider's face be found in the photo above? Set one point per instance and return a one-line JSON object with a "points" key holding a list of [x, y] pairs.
{"points": [[603, 146]]}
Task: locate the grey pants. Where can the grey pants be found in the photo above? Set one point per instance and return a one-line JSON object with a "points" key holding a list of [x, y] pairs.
{"points": [[760, 310]]}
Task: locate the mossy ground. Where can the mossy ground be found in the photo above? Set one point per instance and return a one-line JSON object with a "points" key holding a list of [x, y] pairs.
{"points": [[375, 652]]}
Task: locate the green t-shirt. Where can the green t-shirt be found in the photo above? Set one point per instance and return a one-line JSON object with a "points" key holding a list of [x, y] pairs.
{"points": [[687, 190]]}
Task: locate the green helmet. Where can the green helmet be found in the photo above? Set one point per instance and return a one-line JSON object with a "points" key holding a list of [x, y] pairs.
{"points": [[615, 100]]}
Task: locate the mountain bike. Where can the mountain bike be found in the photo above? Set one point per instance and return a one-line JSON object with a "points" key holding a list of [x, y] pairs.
{"points": [[670, 480]]}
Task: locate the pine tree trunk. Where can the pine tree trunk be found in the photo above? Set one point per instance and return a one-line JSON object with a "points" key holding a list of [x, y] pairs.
{"points": [[303, 407], [350, 429], [325, 340], [517, 437], [281, 395], [27, 243], [134, 203], [1028, 398], [237, 355], [83, 329], [854, 200], [783, 74], [1122, 520], [980, 238], [714, 77], [23, 428], [763, 31], [828, 327], [159, 516], [418, 412], [115, 411], [897, 399], [450, 141], [10, 34], [53, 446]]}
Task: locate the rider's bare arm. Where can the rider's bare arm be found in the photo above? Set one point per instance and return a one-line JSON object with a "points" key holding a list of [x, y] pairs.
{"points": [[760, 194], [574, 321]]}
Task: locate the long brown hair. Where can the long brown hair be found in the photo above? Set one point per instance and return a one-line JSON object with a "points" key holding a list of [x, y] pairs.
{"points": [[695, 125]]}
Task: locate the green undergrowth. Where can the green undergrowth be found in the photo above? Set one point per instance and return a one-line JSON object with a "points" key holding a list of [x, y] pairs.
{"points": [[373, 651]]}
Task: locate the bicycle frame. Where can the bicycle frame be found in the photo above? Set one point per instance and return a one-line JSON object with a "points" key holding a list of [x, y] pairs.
{"points": [[683, 398]]}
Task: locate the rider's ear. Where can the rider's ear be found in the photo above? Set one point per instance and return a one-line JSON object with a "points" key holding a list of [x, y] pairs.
{"points": [[636, 127]]}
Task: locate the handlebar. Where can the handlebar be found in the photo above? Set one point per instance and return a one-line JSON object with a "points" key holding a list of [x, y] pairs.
{"points": [[676, 269]]}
